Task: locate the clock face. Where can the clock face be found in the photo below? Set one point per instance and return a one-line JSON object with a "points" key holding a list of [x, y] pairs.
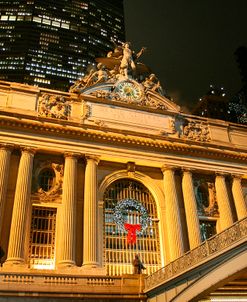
{"points": [[129, 90]]}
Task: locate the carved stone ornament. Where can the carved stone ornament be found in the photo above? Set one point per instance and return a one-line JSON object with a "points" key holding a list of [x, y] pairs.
{"points": [[153, 102], [197, 131], [172, 125], [55, 190], [86, 111], [206, 198], [120, 77], [130, 92], [55, 106]]}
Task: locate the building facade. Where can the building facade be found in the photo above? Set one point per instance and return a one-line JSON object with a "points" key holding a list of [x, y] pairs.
{"points": [[112, 169], [50, 44]]}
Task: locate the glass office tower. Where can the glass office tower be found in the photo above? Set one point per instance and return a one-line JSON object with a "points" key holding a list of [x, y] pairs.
{"points": [[50, 43]]}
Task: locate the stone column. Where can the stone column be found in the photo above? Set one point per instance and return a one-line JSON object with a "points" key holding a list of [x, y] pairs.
{"points": [[100, 241], [226, 218], [5, 153], [21, 208], [238, 196], [68, 212], [190, 205], [174, 229], [90, 213]]}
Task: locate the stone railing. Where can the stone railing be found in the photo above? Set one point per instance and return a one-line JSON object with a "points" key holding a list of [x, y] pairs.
{"points": [[46, 283], [207, 250]]}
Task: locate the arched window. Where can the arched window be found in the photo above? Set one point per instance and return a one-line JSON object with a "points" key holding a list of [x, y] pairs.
{"points": [[136, 201], [46, 179]]}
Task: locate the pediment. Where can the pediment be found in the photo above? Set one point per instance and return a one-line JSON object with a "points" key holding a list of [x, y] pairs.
{"points": [[133, 93]]}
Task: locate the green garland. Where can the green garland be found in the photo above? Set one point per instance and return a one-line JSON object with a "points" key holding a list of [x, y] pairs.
{"points": [[126, 205]]}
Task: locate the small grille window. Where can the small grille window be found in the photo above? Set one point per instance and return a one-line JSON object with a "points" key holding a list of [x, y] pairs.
{"points": [[42, 238], [207, 228]]}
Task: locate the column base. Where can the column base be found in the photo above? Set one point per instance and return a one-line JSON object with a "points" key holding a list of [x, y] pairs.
{"points": [[15, 265], [92, 269], [66, 264]]}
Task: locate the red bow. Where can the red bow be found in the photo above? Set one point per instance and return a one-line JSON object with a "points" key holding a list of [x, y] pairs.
{"points": [[132, 228]]}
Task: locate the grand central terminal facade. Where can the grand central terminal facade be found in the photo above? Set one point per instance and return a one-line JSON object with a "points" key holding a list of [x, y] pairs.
{"points": [[113, 168]]}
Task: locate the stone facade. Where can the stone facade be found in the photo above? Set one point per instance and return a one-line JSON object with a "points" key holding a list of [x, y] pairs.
{"points": [[61, 152]]}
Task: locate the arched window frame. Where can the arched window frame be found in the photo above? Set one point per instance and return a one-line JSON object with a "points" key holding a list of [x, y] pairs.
{"points": [[157, 194]]}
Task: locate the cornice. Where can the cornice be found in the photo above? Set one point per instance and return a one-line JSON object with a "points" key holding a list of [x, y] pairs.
{"points": [[118, 137]]}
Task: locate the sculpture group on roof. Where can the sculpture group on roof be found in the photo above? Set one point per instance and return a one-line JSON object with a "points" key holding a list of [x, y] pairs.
{"points": [[119, 64]]}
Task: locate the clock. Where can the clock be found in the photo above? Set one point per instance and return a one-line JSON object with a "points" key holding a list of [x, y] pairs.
{"points": [[129, 90]]}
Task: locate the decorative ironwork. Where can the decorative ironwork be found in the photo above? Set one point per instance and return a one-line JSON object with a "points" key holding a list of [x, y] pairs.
{"points": [[42, 238], [212, 246], [118, 253]]}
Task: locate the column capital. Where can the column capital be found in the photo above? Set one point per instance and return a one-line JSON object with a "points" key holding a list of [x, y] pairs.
{"points": [[188, 170], [6, 146], [27, 149], [72, 154], [93, 157], [221, 174], [237, 176], [169, 167]]}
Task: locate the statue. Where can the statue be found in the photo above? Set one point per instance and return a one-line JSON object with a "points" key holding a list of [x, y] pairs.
{"points": [[120, 65], [81, 83], [124, 61], [138, 265], [128, 59], [152, 83], [100, 75], [92, 78]]}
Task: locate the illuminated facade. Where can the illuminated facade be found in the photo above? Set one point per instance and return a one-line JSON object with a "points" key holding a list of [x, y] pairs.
{"points": [[113, 169], [50, 43]]}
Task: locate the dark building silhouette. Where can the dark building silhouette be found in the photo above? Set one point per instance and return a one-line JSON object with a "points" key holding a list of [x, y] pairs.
{"points": [[238, 104], [50, 43], [214, 104], [241, 58]]}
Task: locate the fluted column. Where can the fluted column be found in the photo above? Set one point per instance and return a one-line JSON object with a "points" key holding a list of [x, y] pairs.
{"points": [[100, 246], [223, 201], [68, 211], [90, 213], [21, 208], [173, 219], [238, 196], [191, 210], [5, 153]]}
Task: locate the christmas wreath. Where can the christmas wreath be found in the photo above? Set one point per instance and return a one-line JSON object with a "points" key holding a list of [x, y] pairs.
{"points": [[120, 212]]}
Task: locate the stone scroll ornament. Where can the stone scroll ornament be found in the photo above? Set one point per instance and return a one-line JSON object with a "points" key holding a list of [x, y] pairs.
{"points": [[124, 211]]}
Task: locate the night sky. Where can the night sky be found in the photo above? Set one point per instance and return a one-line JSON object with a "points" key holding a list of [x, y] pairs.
{"points": [[190, 44]]}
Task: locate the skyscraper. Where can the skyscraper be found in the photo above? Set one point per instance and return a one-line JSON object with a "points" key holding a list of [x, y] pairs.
{"points": [[50, 43], [214, 104]]}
